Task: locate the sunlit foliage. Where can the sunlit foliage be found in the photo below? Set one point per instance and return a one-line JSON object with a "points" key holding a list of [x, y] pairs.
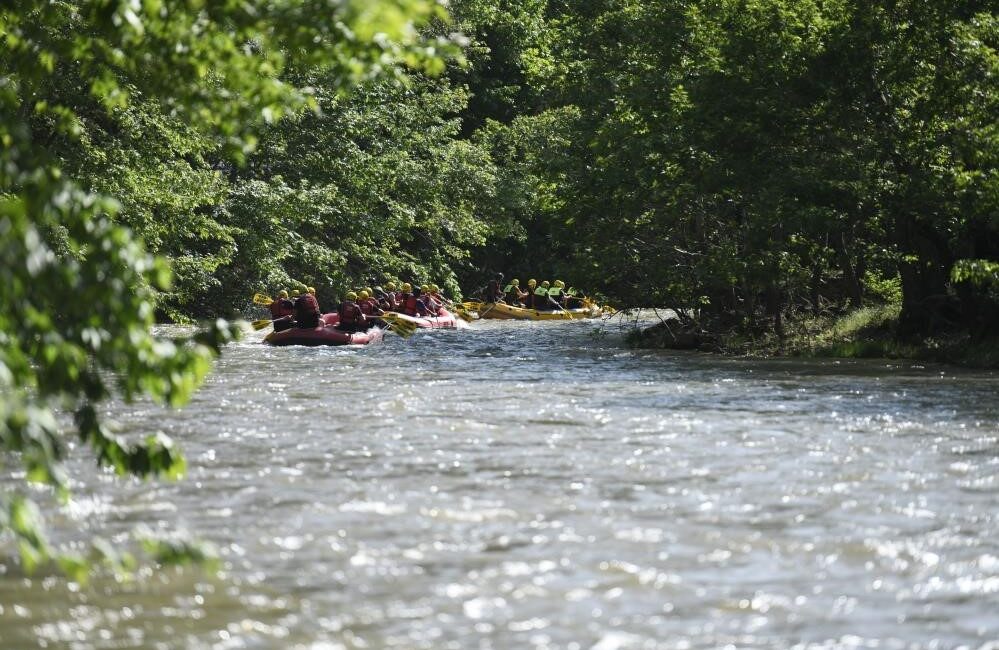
{"points": [[117, 118]]}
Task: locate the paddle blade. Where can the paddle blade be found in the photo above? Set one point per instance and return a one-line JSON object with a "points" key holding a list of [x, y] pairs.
{"points": [[261, 299], [402, 327], [261, 324]]}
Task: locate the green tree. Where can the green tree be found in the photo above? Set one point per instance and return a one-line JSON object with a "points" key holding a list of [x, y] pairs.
{"points": [[755, 158], [375, 184], [78, 289]]}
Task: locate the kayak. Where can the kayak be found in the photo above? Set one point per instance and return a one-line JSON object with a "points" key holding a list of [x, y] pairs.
{"points": [[499, 310], [325, 334]]}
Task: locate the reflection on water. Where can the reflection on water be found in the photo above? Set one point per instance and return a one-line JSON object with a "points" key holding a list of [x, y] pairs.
{"points": [[526, 485]]}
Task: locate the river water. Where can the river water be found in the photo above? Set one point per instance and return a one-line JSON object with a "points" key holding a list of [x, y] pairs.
{"points": [[529, 485]]}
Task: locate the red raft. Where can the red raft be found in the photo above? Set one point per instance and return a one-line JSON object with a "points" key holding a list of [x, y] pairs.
{"points": [[325, 334], [443, 320]]}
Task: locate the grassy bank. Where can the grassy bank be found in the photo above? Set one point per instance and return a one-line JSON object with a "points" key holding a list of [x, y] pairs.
{"points": [[866, 333]]}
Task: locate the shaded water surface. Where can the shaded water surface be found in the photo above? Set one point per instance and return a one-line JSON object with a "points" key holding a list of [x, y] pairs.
{"points": [[528, 485]]}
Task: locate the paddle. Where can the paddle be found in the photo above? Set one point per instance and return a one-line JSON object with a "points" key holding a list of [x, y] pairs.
{"points": [[261, 299], [400, 326], [459, 310], [564, 310], [261, 324]]}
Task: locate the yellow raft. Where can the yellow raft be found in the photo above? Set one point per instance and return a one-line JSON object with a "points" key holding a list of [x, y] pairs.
{"points": [[499, 310]]}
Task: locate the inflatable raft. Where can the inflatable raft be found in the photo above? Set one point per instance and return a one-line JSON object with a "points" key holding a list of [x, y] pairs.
{"points": [[499, 310], [325, 334], [443, 320]]}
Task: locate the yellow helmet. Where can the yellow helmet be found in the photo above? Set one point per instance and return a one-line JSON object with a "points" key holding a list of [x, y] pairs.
{"points": [[364, 295], [425, 288], [434, 288], [390, 286], [282, 293], [531, 282], [559, 283], [545, 284], [295, 293], [515, 282], [406, 287], [312, 290], [369, 291], [351, 295]]}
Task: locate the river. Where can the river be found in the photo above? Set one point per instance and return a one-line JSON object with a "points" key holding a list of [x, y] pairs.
{"points": [[529, 485]]}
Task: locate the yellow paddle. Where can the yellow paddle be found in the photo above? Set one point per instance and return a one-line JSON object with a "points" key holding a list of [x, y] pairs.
{"points": [[261, 324], [400, 326], [459, 310], [261, 299], [463, 313]]}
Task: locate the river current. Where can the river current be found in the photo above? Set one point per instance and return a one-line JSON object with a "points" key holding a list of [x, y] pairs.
{"points": [[540, 485]]}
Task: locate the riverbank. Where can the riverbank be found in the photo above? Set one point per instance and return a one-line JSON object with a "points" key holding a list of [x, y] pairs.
{"points": [[866, 333]]}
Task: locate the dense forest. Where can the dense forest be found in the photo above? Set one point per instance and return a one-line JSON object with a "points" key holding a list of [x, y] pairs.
{"points": [[749, 161], [752, 160]]}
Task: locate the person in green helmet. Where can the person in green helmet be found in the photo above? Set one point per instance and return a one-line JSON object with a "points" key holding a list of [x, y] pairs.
{"points": [[514, 296], [556, 295], [528, 299], [541, 297], [573, 298]]}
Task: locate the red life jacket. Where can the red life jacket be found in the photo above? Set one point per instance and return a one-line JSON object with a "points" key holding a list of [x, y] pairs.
{"points": [[432, 305], [368, 306], [410, 304], [306, 305], [350, 313], [281, 307]]}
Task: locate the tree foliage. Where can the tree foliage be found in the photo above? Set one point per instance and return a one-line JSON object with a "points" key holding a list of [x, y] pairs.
{"points": [[753, 158], [118, 118]]}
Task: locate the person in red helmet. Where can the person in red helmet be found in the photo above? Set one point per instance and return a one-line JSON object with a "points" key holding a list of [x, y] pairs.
{"points": [[514, 296]]}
